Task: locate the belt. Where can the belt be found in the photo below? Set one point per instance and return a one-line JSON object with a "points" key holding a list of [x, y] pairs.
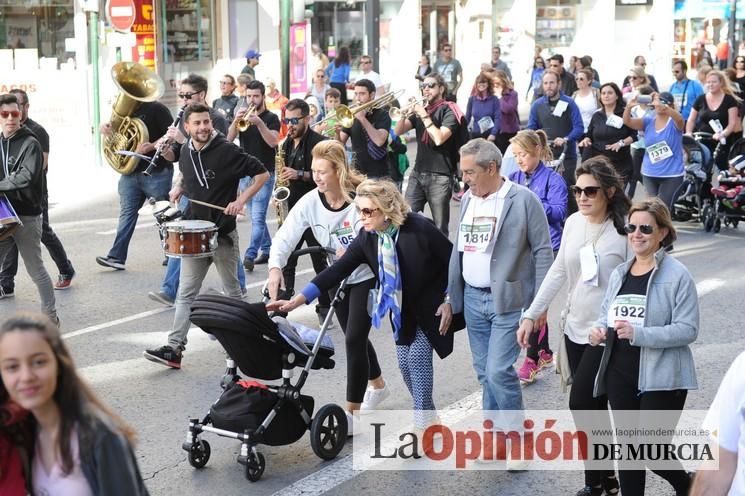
{"points": [[485, 290]]}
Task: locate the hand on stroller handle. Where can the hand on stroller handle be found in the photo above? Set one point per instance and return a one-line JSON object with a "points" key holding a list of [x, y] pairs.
{"points": [[276, 281], [285, 306]]}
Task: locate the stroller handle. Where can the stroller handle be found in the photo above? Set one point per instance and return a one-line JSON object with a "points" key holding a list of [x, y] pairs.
{"points": [[311, 250]]}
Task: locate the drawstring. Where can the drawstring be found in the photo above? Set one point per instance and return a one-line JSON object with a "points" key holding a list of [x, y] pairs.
{"points": [[201, 167]]}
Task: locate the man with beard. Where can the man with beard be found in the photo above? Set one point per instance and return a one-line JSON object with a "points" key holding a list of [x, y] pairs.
{"points": [[259, 140], [431, 180], [297, 151], [211, 168], [560, 119], [21, 163]]}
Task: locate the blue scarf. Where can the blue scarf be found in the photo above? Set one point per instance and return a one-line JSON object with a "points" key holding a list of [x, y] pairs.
{"points": [[389, 295]]}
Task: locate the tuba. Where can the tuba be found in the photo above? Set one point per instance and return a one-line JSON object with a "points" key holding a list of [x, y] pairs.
{"points": [[281, 193], [137, 84]]}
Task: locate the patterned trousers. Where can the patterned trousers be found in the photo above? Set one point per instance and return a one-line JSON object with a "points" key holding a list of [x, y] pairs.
{"points": [[415, 362]]}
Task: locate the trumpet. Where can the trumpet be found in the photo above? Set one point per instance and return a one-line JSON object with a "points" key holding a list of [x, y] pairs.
{"points": [[345, 115], [397, 113], [243, 123]]}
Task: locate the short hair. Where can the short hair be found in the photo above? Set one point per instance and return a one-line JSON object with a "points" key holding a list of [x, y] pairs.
{"points": [[682, 63], [8, 99], [645, 89], [445, 45], [298, 104], [199, 83], [256, 85], [332, 92], [19, 91], [195, 108], [232, 79], [557, 57], [367, 84], [244, 79], [638, 58], [659, 211], [438, 79], [586, 61], [385, 195], [551, 73], [587, 73], [483, 151]]}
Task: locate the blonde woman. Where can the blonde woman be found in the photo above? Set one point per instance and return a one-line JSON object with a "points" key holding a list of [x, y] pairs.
{"points": [[409, 257], [637, 78], [586, 97], [719, 105], [329, 212]]}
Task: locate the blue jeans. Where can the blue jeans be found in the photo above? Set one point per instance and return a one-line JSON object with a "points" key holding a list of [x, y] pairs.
{"points": [[173, 269], [494, 349], [256, 209], [134, 189]]}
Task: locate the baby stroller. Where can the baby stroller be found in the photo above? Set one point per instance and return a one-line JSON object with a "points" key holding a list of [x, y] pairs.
{"points": [[557, 164], [728, 206], [694, 193], [268, 349]]}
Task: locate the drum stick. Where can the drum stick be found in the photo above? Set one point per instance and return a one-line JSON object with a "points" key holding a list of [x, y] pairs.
{"points": [[211, 205]]}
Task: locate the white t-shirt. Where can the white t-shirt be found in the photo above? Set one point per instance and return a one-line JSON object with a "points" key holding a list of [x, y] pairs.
{"points": [[372, 76], [587, 105], [727, 416]]}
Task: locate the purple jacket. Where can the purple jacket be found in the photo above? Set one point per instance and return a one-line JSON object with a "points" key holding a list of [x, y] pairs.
{"points": [[551, 189], [479, 108], [510, 122]]}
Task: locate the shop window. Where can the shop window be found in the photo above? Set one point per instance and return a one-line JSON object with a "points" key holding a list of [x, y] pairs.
{"points": [[34, 33], [243, 32], [555, 23], [187, 25], [335, 25]]}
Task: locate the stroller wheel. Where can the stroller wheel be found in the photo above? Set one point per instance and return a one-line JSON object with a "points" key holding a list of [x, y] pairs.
{"points": [[328, 431], [199, 454], [717, 225], [708, 218], [255, 467]]}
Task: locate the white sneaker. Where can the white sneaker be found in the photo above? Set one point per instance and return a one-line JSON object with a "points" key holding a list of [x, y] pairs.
{"points": [[374, 397], [350, 424]]}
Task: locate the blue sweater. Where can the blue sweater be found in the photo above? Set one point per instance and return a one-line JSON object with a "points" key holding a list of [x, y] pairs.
{"points": [[338, 74], [479, 108]]}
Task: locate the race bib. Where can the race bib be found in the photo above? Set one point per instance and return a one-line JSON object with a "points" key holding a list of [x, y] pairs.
{"points": [[485, 123], [614, 121], [477, 236], [344, 235], [629, 308], [561, 106], [659, 152]]}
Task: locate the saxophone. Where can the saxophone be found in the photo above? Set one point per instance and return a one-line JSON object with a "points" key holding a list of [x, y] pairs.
{"points": [[281, 193]]}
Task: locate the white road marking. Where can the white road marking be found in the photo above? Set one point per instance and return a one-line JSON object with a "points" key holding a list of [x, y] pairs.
{"points": [[708, 285], [138, 226], [149, 313], [341, 470]]}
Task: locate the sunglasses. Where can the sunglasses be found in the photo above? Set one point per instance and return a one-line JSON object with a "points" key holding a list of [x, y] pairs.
{"points": [[10, 113], [589, 191], [293, 121], [644, 228], [367, 212], [740, 61], [365, 61], [187, 96], [427, 85]]}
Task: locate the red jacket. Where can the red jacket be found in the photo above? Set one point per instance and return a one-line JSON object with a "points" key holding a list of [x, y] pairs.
{"points": [[12, 481]]}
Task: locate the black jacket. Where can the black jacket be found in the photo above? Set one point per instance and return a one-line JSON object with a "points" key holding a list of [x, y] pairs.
{"points": [[300, 159], [423, 257], [21, 169]]}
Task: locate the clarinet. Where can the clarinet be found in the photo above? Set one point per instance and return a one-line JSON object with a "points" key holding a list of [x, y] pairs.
{"points": [[153, 161]]}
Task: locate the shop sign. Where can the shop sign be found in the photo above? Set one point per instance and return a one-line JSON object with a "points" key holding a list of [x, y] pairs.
{"points": [[144, 29], [299, 58]]}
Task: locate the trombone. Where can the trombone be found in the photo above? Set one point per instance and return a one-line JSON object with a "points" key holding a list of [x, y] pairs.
{"points": [[345, 115], [243, 123], [397, 113]]}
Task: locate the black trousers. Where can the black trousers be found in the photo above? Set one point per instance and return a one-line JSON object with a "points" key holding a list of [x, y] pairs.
{"points": [[623, 394], [584, 362], [637, 157], [9, 266], [362, 362], [319, 264]]}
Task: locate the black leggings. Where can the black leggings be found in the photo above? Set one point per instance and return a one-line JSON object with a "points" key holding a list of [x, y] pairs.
{"points": [[637, 157], [623, 394], [362, 362], [584, 362]]}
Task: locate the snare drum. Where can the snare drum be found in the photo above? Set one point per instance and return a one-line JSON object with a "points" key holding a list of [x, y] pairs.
{"points": [[189, 238], [9, 220]]}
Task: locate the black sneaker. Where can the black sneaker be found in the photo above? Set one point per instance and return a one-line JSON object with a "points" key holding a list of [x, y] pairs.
{"points": [[110, 262], [6, 293], [262, 259], [248, 264], [164, 355]]}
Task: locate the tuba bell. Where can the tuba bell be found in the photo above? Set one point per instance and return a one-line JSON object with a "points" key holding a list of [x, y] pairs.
{"points": [[137, 84]]}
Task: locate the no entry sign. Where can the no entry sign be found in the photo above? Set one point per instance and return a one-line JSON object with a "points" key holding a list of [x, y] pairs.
{"points": [[121, 14]]}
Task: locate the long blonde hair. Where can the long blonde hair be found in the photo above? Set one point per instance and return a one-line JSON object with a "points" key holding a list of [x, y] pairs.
{"points": [[727, 87], [639, 72], [334, 152], [386, 196], [534, 142]]}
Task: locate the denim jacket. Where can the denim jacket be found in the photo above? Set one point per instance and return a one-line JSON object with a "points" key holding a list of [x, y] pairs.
{"points": [[671, 323]]}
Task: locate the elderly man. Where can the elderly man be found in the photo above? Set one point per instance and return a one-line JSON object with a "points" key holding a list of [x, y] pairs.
{"points": [[500, 256]]}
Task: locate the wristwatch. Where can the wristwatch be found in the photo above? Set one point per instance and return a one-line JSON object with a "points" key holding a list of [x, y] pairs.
{"points": [[621, 143]]}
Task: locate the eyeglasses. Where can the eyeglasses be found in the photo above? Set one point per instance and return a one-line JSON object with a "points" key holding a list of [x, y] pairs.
{"points": [[644, 228], [10, 113], [589, 191], [293, 121], [187, 96], [427, 85], [367, 212], [740, 61]]}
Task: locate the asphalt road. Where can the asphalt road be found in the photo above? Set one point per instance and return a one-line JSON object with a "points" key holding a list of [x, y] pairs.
{"points": [[109, 321]]}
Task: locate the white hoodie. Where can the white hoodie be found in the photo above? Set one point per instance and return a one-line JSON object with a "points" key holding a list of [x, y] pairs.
{"points": [[332, 229]]}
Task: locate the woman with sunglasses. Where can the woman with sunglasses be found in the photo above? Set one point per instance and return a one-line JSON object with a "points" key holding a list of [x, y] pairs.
{"points": [[318, 90], [637, 78], [328, 211], [586, 97], [592, 245], [739, 79], [409, 257], [647, 321], [536, 79], [482, 111], [79, 446]]}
